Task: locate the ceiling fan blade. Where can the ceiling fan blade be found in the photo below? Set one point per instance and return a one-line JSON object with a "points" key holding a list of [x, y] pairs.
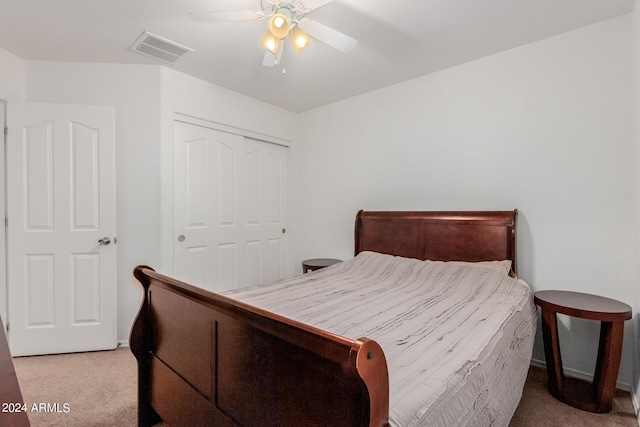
{"points": [[270, 59], [314, 4], [328, 35], [226, 16]]}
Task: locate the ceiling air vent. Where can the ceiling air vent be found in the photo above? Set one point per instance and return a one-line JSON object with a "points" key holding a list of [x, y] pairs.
{"points": [[159, 48]]}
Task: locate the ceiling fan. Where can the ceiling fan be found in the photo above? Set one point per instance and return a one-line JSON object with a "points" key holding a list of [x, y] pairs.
{"points": [[286, 18]]}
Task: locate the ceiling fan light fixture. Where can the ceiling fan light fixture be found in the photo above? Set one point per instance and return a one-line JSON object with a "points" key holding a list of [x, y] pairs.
{"points": [[270, 42], [280, 24], [300, 40]]}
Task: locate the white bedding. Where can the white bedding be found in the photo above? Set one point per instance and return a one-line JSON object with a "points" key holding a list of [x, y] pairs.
{"points": [[457, 338]]}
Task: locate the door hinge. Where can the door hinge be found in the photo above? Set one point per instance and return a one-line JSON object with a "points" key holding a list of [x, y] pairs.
{"points": [[6, 131], [8, 326], [6, 222]]}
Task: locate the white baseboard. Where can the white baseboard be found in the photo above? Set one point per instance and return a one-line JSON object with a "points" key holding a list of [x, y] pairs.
{"points": [[539, 363], [124, 343], [582, 376], [636, 404]]}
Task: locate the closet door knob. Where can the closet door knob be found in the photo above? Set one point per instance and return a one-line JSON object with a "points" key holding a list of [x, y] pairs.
{"points": [[104, 241]]}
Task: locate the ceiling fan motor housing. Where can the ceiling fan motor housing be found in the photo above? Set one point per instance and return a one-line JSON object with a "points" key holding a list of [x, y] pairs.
{"points": [[293, 9]]}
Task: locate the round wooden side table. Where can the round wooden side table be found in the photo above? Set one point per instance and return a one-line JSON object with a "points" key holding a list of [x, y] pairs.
{"points": [[596, 396], [318, 263]]}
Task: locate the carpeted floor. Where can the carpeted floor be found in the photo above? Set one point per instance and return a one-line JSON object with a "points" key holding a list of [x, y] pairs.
{"points": [[538, 408], [99, 387], [100, 390]]}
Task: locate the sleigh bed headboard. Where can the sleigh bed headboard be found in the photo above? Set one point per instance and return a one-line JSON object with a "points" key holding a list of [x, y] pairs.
{"points": [[439, 236]]}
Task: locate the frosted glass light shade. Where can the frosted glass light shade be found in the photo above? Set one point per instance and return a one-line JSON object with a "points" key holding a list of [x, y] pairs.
{"points": [[270, 42], [279, 25], [300, 40]]}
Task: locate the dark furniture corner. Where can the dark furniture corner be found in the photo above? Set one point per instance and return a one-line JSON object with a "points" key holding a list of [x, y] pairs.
{"points": [[596, 396], [317, 263], [13, 412]]}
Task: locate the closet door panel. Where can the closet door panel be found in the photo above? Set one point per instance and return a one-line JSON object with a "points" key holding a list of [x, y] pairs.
{"points": [[230, 204]]}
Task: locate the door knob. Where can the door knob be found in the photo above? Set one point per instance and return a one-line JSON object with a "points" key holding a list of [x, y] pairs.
{"points": [[104, 241]]}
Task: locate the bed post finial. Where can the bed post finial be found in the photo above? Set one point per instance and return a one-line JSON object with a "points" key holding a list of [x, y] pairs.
{"points": [[137, 342], [140, 345], [370, 363]]}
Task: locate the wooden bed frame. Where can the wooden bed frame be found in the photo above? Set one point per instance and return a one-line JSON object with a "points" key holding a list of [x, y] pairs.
{"points": [[208, 360]]}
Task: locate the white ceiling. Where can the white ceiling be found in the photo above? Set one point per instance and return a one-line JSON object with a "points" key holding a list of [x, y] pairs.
{"points": [[398, 39]]}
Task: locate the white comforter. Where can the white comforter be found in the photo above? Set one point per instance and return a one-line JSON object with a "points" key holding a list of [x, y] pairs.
{"points": [[457, 338]]}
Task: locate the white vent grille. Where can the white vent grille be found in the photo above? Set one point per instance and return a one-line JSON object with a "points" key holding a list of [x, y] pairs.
{"points": [[159, 48]]}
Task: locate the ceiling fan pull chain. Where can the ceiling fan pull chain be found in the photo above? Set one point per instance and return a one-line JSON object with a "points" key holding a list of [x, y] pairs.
{"points": [[281, 61]]}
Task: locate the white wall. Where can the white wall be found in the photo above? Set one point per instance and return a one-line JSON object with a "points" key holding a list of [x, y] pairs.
{"points": [[636, 206], [545, 128], [12, 77]]}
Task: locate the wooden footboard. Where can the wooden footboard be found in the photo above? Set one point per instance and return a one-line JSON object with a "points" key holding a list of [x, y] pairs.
{"points": [[208, 360]]}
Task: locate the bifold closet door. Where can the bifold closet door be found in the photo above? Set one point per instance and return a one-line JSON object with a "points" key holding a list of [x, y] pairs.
{"points": [[230, 213]]}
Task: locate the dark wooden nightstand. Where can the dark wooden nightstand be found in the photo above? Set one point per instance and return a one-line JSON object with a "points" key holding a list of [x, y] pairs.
{"points": [[597, 396], [318, 263]]}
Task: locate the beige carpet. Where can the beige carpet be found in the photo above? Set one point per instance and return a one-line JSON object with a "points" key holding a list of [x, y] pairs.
{"points": [[100, 389], [538, 408]]}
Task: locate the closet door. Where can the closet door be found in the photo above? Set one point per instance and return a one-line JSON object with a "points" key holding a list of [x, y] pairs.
{"points": [[230, 208], [265, 217]]}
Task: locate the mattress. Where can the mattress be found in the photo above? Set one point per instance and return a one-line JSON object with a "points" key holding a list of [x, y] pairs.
{"points": [[457, 338]]}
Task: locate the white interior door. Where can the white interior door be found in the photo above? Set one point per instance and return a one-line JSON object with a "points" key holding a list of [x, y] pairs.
{"points": [[61, 228], [230, 208], [265, 216]]}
